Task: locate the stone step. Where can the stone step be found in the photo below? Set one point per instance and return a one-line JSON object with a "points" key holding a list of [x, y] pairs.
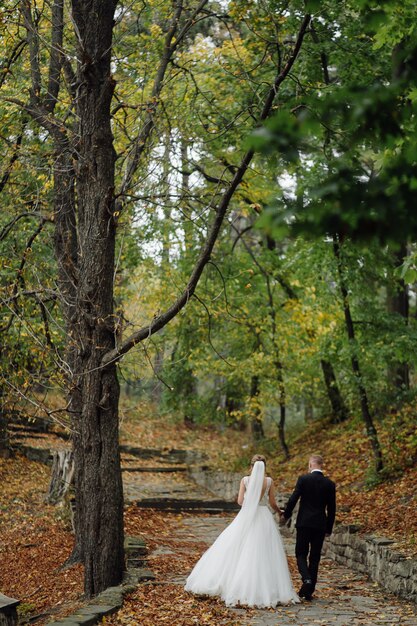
{"points": [[166, 455], [41, 455], [187, 504]]}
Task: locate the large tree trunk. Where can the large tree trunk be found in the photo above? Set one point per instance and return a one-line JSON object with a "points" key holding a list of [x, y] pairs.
{"points": [[66, 253], [366, 413], [339, 409], [99, 493]]}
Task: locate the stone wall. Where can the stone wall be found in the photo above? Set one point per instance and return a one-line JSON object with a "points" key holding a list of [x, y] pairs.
{"points": [[374, 557], [369, 555], [222, 484]]}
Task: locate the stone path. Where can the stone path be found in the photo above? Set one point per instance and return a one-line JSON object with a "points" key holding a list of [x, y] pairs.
{"points": [[343, 598]]}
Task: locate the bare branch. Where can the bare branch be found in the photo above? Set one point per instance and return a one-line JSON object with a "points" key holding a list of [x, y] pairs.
{"points": [[190, 22], [6, 229], [172, 39], [13, 159], [209, 330], [41, 406], [43, 117], [14, 55], [161, 320], [19, 273], [35, 293]]}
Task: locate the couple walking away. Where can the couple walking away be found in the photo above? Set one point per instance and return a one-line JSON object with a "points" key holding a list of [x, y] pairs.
{"points": [[247, 564]]}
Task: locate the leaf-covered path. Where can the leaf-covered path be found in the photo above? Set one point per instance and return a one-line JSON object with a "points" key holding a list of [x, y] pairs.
{"points": [[343, 598], [175, 541]]}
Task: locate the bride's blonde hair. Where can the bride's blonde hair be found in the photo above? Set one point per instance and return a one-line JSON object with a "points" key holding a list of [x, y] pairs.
{"points": [[258, 457]]}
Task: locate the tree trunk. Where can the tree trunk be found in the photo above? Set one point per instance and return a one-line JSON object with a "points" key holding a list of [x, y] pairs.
{"points": [[4, 435], [66, 254], [282, 410], [308, 411], [257, 427], [366, 414], [99, 493], [398, 303], [61, 475], [339, 409]]}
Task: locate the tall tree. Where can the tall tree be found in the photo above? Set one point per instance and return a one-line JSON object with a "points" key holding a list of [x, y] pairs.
{"points": [[356, 368], [79, 122]]}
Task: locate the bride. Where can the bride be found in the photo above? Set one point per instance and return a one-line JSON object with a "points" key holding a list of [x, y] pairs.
{"points": [[247, 563]]}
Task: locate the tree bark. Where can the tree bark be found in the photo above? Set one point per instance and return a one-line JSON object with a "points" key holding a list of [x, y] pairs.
{"points": [[398, 303], [61, 475], [256, 422], [66, 255], [4, 435], [339, 409], [282, 409], [96, 449], [366, 414]]}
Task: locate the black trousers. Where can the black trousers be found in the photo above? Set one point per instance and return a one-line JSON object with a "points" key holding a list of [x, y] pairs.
{"points": [[308, 545]]}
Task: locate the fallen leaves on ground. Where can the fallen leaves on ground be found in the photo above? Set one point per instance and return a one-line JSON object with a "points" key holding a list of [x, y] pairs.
{"points": [[143, 425], [169, 604], [34, 543], [171, 559]]}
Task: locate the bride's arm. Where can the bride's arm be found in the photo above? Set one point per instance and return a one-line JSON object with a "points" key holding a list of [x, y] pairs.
{"points": [[241, 492], [272, 500]]}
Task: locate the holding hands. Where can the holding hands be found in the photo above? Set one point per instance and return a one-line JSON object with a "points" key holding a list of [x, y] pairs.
{"points": [[282, 519]]}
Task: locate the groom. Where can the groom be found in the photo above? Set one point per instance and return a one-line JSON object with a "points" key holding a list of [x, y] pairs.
{"points": [[315, 519]]}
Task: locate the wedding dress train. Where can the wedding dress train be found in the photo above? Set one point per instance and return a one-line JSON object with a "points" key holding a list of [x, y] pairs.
{"points": [[247, 563]]}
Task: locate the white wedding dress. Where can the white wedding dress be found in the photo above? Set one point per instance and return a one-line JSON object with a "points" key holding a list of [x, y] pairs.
{"points": [[247, 563]]}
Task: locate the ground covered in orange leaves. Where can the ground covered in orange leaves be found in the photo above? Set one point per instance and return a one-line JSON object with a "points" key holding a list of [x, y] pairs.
{"points": [[34, 542]]}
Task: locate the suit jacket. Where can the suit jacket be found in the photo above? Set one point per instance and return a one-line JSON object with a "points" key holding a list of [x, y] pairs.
{"points": [[317, 495]]}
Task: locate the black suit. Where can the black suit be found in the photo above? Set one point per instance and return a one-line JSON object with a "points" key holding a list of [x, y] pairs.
{"points": [[315, 519]]}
